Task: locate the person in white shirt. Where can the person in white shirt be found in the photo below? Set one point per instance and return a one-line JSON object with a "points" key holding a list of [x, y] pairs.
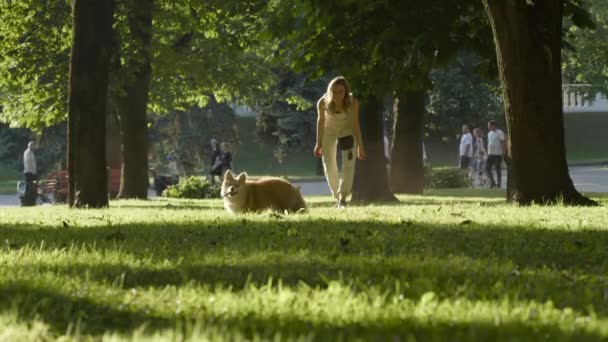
{"points": [[466, 148], [29, 163], [496, 151]]}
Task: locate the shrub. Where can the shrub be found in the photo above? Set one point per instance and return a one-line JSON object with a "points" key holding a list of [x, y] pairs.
{"points": [[445, 177], [193, 187]]}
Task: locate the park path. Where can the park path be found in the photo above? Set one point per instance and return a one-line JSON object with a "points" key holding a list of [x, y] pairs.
{"points": [[585, 178]]}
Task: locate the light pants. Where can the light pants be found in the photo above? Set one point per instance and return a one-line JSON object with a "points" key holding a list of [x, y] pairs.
{"points": [[340, 183]]}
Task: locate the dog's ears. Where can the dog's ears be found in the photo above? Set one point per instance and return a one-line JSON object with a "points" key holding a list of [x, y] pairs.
{"points": [[228, 175], [242, 177]]}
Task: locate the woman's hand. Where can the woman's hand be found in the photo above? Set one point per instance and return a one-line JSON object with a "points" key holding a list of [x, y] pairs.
{"points": [[318, 151], [360, 153]]}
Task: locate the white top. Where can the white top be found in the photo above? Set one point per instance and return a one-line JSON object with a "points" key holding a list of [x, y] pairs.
{"points": [[466, 140], [29, 161], [495, 143]]}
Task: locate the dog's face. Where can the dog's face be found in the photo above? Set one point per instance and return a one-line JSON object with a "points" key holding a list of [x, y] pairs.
{"points": [[233, 188]]}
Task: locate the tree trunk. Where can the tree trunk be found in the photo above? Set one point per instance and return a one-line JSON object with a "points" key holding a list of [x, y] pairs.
{"points": [[132, 105], [528, 43], [91, 47], [407, 168], [371, 179]]}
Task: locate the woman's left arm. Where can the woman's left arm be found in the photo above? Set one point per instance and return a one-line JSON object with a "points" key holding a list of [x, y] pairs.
{"points": [[357, 128]]}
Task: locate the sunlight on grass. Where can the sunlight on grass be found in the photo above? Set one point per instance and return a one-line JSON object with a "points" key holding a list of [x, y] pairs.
{"points": [[441, 266]]}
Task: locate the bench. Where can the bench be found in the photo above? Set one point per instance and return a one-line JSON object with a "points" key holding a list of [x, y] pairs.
{"points": [[56, 183]]}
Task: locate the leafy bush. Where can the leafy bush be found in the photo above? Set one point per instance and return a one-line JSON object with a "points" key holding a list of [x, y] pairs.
{"points": [[193, 187], [445, 177]]}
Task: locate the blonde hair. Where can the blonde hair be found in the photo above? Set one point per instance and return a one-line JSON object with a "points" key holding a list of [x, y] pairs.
{"points": [[328, 98]]}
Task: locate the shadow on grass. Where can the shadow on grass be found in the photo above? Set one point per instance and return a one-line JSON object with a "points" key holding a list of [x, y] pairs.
{"points": [[62, 312], [490, 261]]}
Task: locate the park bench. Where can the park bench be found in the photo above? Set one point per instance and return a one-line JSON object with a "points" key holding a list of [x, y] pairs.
{"points": [[56, 183]]}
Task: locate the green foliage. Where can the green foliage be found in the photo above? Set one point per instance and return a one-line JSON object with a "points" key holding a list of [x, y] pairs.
{"points": [[50, 151], [379, 46], [35, 43], [196, 50], [193, 187], [188, 134], [586, 62], [445, 178], [287, 117], [461, 95], [13, 141], [432, 268]]}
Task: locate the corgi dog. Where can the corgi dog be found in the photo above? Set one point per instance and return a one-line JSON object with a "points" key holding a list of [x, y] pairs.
{"points": [[277, 194]]}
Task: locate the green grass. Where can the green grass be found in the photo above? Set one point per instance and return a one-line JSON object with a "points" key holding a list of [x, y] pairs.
{"points": [[442, 267]]}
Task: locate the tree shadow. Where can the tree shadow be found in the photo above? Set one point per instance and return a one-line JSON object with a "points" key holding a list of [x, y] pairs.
{"points": [[61, 312], [467, 259]]}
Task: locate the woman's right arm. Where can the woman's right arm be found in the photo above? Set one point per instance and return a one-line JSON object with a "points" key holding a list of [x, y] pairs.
{"points": [[320, 126]]}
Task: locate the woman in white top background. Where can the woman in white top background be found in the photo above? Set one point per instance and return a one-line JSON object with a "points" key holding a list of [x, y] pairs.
{"points": [[479, 156]]}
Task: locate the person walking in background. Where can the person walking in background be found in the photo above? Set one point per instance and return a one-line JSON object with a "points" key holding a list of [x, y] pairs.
{"points": [[338, 126], [29, 163], [215, 152], [479, 156], [223, 162], [466, 149], [496, 151]]}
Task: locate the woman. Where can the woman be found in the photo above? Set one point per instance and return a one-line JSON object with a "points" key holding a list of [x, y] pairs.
{"points": [[338, 126], [479, 155]]}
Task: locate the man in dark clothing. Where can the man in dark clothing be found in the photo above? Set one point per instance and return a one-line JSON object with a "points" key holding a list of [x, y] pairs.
{"points": [[222, 162], [215, 152]]}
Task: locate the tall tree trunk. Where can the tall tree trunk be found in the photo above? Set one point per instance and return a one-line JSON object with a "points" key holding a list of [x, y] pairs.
{"points": [[371, 179], [407, 166], [528, 41], [133, 102], [89, 67]]}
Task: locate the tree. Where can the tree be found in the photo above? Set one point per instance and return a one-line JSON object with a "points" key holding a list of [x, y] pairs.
{"points": [[89, 73], [528, 39], [381, 49], [132, 85], [407, 169], [366, 187], [197, 49]]}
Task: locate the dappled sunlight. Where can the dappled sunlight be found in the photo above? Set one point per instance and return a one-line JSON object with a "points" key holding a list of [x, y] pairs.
{"points": [[436, 264]]}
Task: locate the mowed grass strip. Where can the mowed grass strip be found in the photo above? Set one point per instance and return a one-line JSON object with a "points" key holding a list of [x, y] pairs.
{"points": [[443, 267]]}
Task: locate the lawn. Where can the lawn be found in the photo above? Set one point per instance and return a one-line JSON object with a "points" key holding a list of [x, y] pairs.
{"points": [[436, 267]]}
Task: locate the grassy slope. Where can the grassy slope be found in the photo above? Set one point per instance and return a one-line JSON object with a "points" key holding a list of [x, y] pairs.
{"points": [[437, 268]]}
